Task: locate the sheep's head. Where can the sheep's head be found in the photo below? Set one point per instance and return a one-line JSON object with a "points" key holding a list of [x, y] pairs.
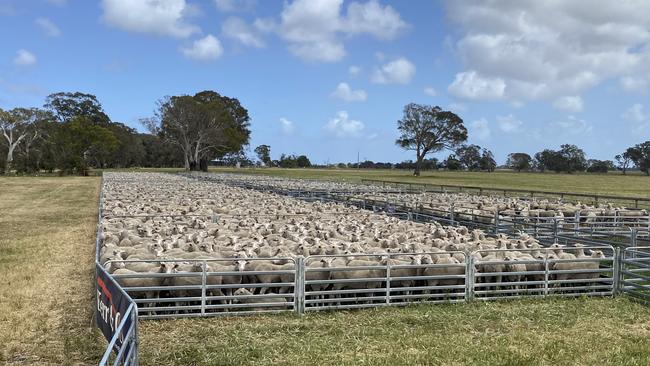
{"points": [[240, 265], [597, 254], [242, 292], [426, 259], [168, 267]]}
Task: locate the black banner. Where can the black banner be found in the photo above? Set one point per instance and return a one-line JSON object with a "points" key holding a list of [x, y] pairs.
{"points": [[111, 307]]}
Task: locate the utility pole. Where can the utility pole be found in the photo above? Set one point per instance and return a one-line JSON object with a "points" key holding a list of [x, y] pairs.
{"points": [[358, 166]]}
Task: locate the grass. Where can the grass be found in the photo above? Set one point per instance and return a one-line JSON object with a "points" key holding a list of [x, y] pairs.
{"points": [[46, 266], [635, 185], [47, 230], [527, 332]]}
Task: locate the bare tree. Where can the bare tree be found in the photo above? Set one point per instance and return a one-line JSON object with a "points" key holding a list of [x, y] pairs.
{"points": [[17, 125], [426, 129]]}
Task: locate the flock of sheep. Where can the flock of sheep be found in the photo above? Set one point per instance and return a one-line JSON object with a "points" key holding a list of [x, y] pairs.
{"points": [[183, 245], [466, 207]]}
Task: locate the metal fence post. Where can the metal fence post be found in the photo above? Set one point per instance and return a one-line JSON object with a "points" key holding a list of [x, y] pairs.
{"points": [[203, 283], [546, 274], [496, 222], [388, 281], [616, 271], [451, 214], [299, 286], [469, 277], [555, 230]]}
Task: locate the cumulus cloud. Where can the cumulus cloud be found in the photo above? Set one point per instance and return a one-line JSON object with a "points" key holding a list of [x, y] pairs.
{"points": [[531, 50], [569, 104], [430, 92], [570, 126], [48, 27], [399, 71], [470, 85], [354, 70], [509, 123], [344, 91], [24, 58], [287, 126], [481, 129], [343, 126], [158, 17], [204, 49], [315, 29], [638, 117], [637, 84], [238, 30]]}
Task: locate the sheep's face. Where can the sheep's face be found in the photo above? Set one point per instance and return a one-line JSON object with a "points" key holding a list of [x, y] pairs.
{"points": [[240, 265], [168, 267], [426, 259], [597, 254], [242, 292]]}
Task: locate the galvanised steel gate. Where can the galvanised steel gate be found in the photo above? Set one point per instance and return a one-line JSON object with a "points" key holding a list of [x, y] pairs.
{"points": [[243, 286], [635, 273]]}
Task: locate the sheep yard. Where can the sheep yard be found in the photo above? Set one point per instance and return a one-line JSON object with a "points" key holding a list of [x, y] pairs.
{"points": [[553, 331]]}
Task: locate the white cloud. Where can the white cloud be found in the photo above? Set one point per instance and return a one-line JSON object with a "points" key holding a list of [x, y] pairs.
{"points": [[237, 29], [509, 123], [314, 28], [399, 71], [234, 5], [430, 92], [569, 104], [481, 129], [48, 27], [372, 18], [159, 17], [204, 49], [638, 117], [638, 84], [635, 113], [570, 126], [547, 49], [344, 92], [354, 70], [470, 85], [343, 126], [287, 126], [24, 58]]}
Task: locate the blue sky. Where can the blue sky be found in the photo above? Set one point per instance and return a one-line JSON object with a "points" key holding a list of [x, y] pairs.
{"points": [[329, 78]]}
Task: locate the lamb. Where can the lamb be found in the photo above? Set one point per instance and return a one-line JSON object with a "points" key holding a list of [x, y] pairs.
{"points": [[276, 302]]}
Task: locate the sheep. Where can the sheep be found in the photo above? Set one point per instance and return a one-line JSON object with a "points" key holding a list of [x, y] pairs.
{"points": [[164, 267], [285, 227], [445, 265], [255, 299]]}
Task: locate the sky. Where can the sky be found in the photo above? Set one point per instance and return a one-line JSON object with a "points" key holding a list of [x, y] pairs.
{"points": [[330, 78]]}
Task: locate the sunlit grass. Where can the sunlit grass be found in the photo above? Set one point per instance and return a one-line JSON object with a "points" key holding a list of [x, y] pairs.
{"points": [[47, 230]]}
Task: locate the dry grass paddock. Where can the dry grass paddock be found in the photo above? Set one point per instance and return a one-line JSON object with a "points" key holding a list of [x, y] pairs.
{"points": [[47, 230]]}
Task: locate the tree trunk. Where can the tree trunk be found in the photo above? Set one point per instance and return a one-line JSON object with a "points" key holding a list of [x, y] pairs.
{"points": [[418, 164]]}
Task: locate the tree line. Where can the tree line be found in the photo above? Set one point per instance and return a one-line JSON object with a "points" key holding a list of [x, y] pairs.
{"points": [[71, 133]]}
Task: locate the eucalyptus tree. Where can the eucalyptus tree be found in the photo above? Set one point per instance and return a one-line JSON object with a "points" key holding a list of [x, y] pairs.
{"points": [[426, 129]]}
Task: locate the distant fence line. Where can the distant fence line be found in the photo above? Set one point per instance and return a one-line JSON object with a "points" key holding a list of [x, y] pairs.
{"points": [[639, 202]]}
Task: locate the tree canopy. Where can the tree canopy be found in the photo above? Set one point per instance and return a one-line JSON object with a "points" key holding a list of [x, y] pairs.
{"points": [[204, 126], [426, 129]]}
